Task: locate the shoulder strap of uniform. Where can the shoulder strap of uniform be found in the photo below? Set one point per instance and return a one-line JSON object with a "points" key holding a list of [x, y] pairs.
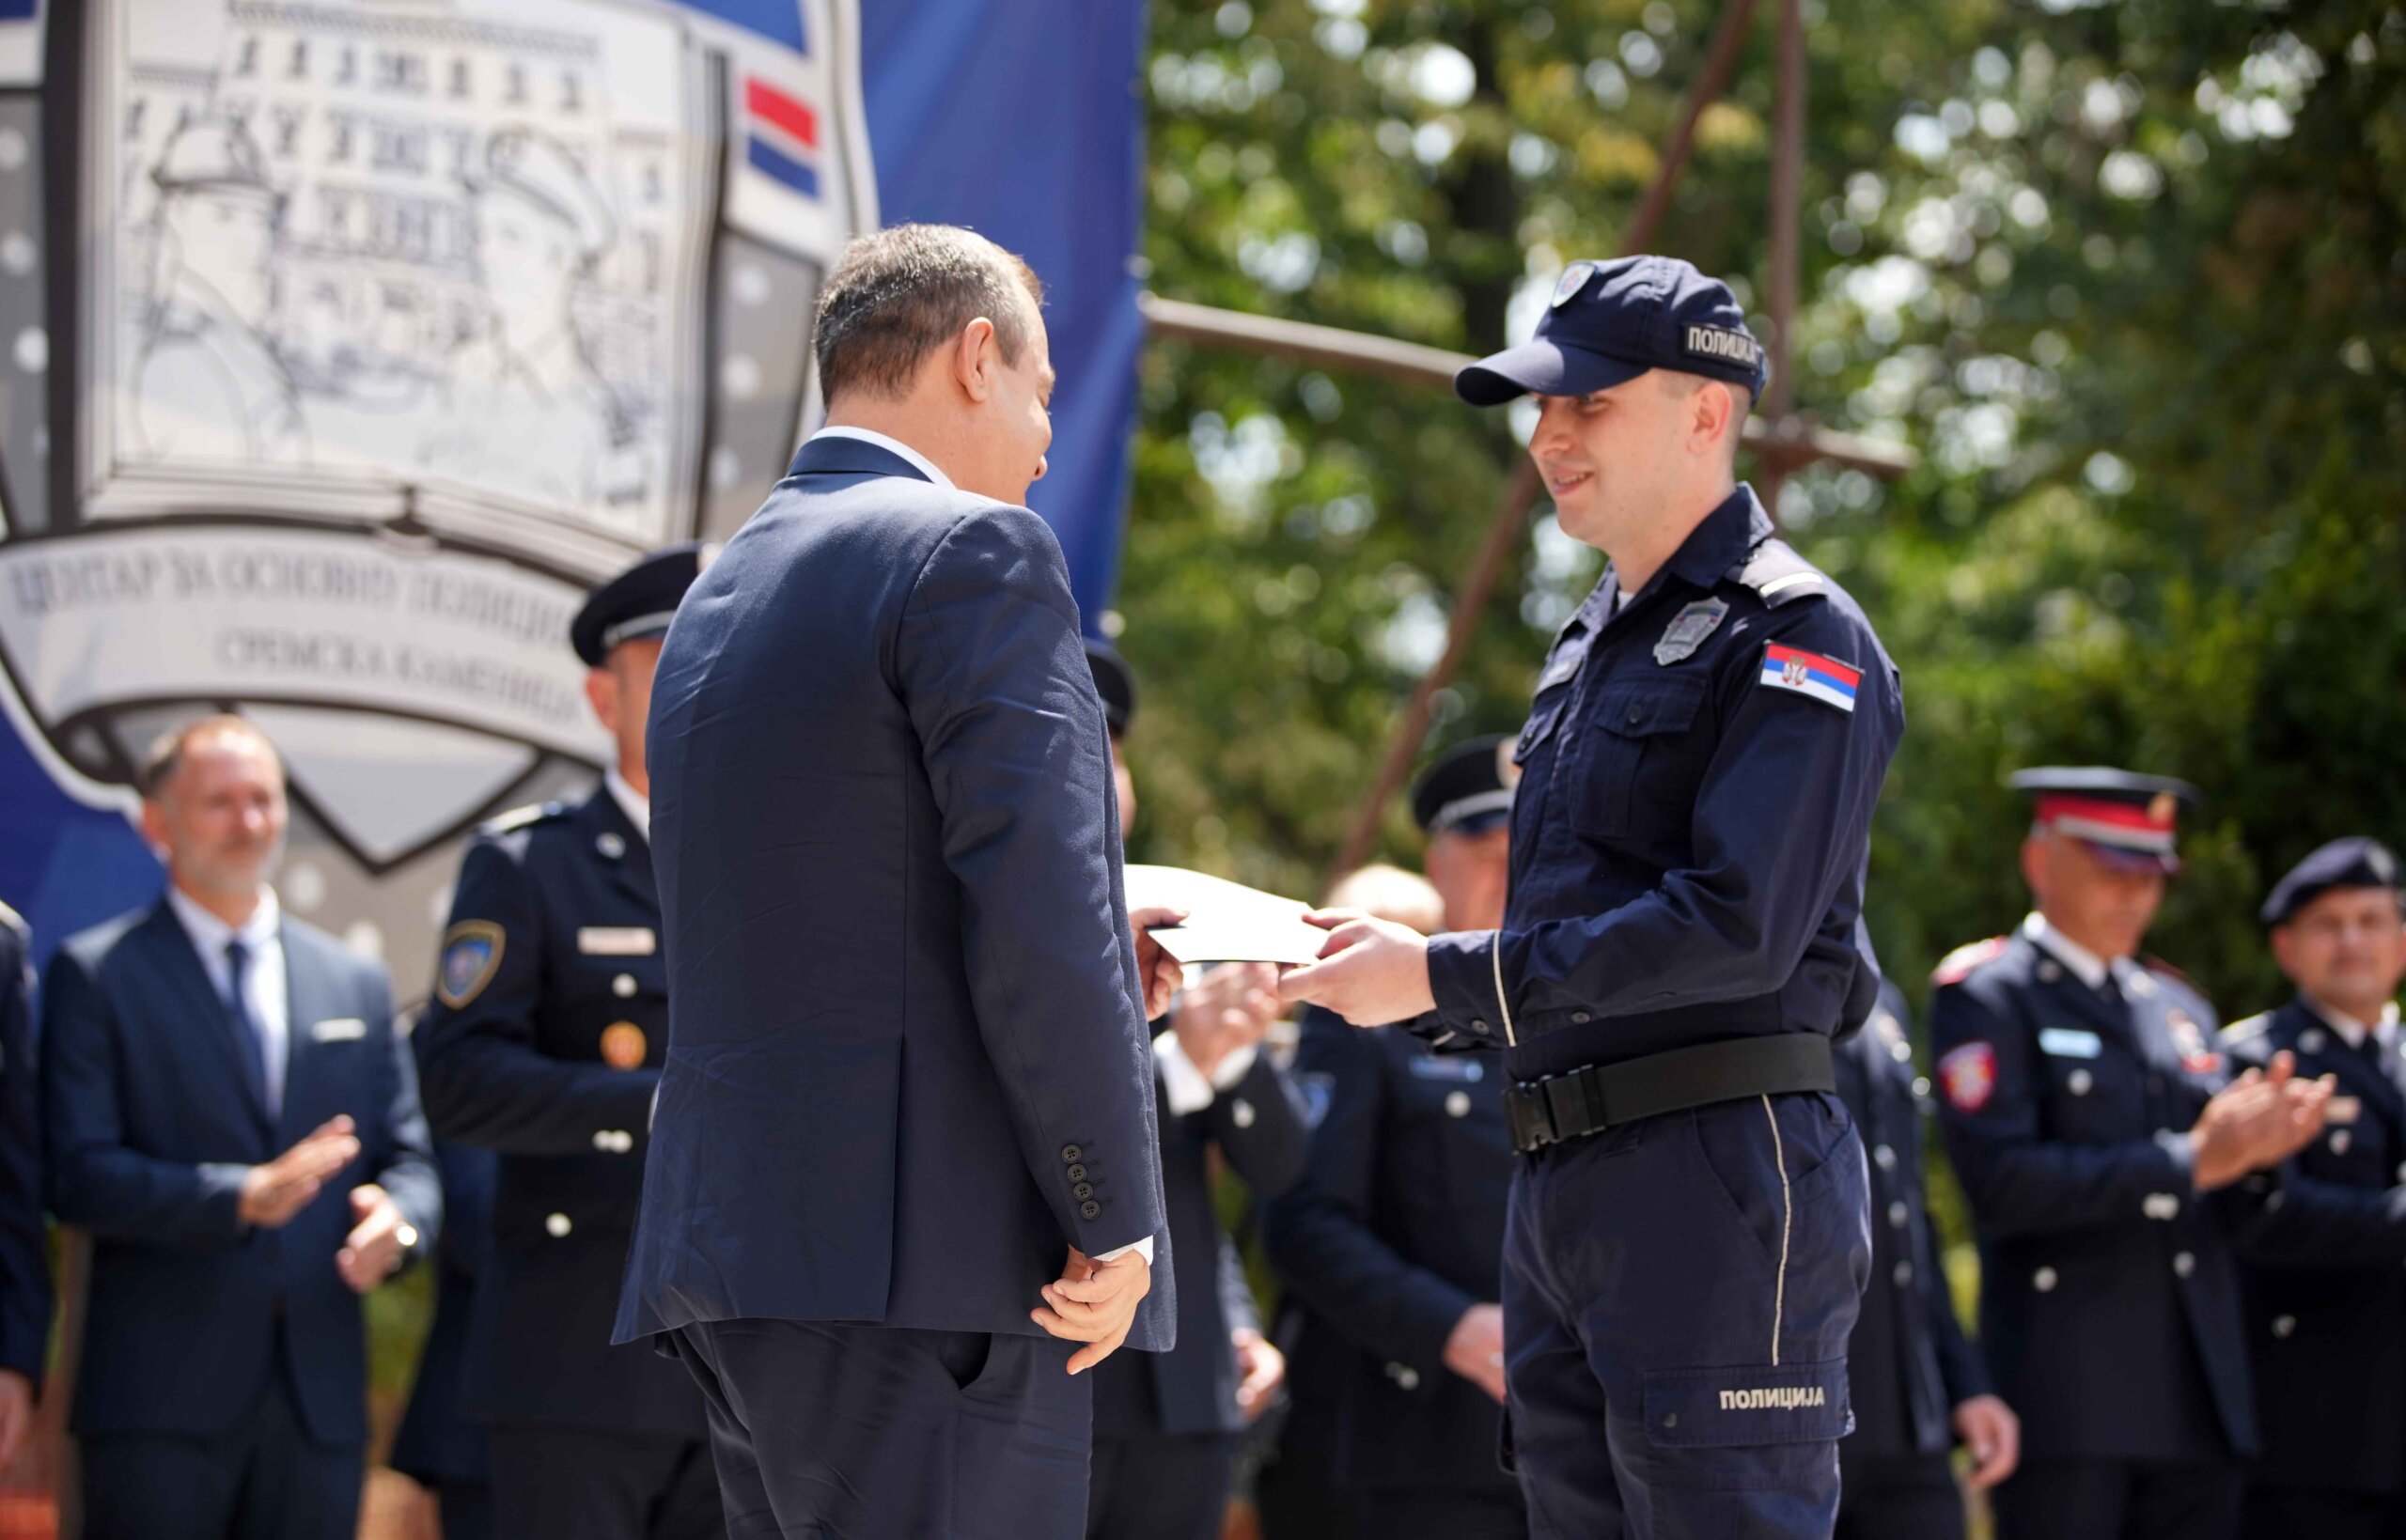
{"points": [[1779, 576], [1957, 965], [2239, 1032], [16, 922], [518, 818]]}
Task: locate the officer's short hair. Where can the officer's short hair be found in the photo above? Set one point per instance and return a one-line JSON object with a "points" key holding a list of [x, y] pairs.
{"points": [[1742, 401], [898, 293], [167, 751]]}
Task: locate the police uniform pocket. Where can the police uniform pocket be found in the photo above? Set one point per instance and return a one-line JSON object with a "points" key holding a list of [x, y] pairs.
{"points": [[1636, 719], [1746, 1404]]}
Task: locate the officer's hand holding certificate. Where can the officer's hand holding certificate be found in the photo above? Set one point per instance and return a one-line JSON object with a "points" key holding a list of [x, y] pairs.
{"points": [[1226, 922]]}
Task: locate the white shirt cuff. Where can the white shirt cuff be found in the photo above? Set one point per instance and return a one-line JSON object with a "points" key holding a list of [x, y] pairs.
{"points": [[1143, 1248], [1185, 1087]]}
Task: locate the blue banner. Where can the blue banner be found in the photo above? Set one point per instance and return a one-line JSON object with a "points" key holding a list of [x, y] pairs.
{"points": [[348, 471]]}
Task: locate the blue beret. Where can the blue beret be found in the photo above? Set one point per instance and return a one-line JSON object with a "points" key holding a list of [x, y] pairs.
{"points": [[1611, 322], [2356, 861]]}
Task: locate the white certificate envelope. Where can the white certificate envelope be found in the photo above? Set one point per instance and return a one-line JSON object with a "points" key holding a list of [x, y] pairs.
{"points": [[1226, 922]]}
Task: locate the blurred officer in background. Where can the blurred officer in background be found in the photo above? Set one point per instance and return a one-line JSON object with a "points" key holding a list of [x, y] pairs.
{"points": [[2329, 1340], [1916, 1384], [226, 1108], [1680, 945], [543, 1044], [439, 1445], [24, 1243], [2101, 1147], [1168, 1424], [1394, 1241]]}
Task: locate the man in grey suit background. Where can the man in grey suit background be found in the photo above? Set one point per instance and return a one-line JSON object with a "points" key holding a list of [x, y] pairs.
{"points": [[904, 1182]]}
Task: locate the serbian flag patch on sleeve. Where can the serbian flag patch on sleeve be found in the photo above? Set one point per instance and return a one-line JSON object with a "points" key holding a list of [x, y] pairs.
{"points": [[1825, 679], [1969, 1076]]}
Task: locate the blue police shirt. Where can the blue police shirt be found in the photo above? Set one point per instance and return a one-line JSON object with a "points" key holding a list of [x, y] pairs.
{"points": [[1698, 774]]}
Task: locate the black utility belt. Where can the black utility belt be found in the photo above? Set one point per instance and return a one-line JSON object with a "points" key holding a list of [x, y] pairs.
{"points": [[1601, 1097]]}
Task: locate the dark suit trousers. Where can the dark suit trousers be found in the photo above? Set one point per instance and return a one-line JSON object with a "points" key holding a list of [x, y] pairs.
{"points": [[590, 1484], [264, 1480], [2117, 1500], [2283, 1513], [1899, 1496], [826, 1431], [1161, 1487], [463, 1510]]}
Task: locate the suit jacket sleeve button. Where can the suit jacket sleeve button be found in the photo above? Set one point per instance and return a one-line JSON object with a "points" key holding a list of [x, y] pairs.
{"points": [[1090, 1208], [1077, 1173], [1071, 1154], [1084, 1190]]}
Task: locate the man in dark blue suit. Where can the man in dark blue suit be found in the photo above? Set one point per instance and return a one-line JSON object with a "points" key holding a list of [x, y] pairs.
{"points": [[227, 1110], [1168, 1424], [1394, 1240], [543, 1045], [1916, 1383], [2327, 1333], [24, 1250], [904, 1157]]}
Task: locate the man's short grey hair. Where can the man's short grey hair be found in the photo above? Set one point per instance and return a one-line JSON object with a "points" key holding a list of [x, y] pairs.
{"points": [[898, 294], [168, 751]]}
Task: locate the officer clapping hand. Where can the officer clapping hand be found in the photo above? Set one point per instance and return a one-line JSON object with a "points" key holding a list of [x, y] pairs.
{"points": [[377, 1241], [274, 1192], [1095, 1302], [1994, 1434], [1230, 1009], [1372, 971], [2260, 1119]]}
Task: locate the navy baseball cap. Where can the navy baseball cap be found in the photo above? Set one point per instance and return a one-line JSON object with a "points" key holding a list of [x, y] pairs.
{"points": [[1467, 789], [638, 602], [2352, 862], [1611, 321]]}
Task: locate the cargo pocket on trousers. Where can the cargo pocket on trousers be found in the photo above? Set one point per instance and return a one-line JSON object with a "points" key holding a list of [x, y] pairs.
{"points": [[1747, 1426]]}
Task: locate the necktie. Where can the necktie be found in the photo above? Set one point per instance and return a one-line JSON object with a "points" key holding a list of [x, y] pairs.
{"points": [[246, 1021]]}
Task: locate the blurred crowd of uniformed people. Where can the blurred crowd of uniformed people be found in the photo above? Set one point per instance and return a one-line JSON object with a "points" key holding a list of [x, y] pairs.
{"points": [[2191, 1311]]}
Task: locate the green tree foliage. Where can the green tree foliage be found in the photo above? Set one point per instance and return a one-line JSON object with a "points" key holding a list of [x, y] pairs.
{"points": [[2128, 276]]}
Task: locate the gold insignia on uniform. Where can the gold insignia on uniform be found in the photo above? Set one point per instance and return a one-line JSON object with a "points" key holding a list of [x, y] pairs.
{"points": [[623, 1045], [471, 955]]}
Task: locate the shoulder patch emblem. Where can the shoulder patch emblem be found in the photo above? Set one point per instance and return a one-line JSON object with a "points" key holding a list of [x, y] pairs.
{"points": [[1957, 965], [518, 818], [1969, 1075], [1688, 629], [471, 955], [1824, 679]]}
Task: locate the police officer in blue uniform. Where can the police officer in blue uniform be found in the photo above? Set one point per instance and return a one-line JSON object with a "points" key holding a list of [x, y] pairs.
{"points": [[1392, 1245], [2107, 1158], [438, 1444], [24, 1245], [1681, 945], [1918, 1384], [543, 1044], [1168, 1424], [2328, 1335]]}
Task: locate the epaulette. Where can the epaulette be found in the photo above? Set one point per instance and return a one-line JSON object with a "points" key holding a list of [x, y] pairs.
{"points": [[2157, 965], [518, 818], [2239, 1032], [16, 922], [1957, 965], [1779, 576]]}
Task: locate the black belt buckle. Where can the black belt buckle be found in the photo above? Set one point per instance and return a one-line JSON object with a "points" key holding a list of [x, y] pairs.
{"points": [[1527, 1117]]}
